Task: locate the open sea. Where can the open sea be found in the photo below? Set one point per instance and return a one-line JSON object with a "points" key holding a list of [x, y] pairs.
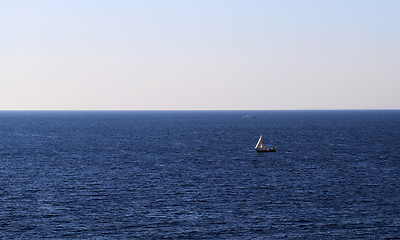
{"points": [[195, 175]]}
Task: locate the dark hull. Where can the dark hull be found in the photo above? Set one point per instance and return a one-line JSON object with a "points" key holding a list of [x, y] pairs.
{"points": [[273, 149]]}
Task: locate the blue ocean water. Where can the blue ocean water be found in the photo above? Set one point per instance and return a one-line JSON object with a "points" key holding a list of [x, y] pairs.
{"points": [[195, 174]]}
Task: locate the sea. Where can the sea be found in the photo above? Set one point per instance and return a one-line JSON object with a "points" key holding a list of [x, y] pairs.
{"points": [[196, 175]]}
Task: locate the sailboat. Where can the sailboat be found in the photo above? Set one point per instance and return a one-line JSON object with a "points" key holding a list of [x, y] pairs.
{"points": [[260, 148]]}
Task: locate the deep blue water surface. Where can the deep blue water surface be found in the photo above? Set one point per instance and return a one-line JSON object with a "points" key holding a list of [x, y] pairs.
{"points": [[183, 174]]}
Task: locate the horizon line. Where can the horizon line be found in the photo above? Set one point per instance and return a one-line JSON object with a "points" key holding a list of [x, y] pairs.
{"points": [[127, 110]]}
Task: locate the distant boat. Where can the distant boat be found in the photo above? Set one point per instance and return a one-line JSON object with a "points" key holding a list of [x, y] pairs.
{"points": [[260, 148], [249, 116]]}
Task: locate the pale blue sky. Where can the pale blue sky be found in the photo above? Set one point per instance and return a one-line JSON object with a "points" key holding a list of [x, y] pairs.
{"points": [[219, 54]]}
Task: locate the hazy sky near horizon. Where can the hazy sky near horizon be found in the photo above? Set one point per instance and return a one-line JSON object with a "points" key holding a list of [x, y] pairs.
{"points": [[205, 54]]}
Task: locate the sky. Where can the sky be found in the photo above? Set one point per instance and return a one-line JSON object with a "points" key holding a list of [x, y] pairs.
{"points": [[199, 55]]}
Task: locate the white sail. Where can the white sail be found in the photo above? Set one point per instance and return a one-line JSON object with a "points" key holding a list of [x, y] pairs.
{"points": [[259, 143]]}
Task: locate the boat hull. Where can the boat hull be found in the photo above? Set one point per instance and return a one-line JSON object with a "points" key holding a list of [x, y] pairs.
{"points": [[271, 149]]}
